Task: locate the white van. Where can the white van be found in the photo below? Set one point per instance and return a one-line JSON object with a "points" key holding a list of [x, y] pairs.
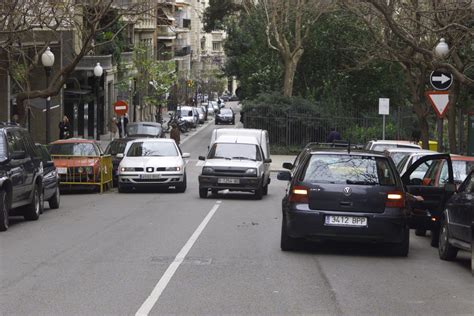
{"points": [[238, 160]]}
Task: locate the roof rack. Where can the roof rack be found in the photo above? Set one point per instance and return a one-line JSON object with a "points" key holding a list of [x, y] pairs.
{"points": [[336, 144]]}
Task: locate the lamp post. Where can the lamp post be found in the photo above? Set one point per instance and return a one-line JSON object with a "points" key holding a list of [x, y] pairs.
{"points": [[98, 71], [442, 49], [47, 59]]}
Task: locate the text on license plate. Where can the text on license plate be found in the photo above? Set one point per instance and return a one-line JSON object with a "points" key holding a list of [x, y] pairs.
{"points": [[354, 221], [61, 170], [150, 176], [228, 180]]}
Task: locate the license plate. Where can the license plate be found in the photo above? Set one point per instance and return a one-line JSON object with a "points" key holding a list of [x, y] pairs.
{"points": [[228, 181], [150, 176], [350, 221], [61, 170]]}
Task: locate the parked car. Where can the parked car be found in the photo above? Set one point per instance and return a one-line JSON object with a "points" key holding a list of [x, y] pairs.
{"points": [[115, 147], [215, 106], [51, 192], [456, 220], [407, 161], [145, 129], [225, 97], [210, 109], [226, 116], [21, 175], [188, 114], [202, 115], [77, 162], [152, 163], [337, 194], [238, 160], [381, 145], [440, 173], [397, 154]]}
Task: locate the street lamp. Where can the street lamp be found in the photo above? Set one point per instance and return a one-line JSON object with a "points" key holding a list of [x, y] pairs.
{"points": [[442, 49], [47, 59], [98, 71]]}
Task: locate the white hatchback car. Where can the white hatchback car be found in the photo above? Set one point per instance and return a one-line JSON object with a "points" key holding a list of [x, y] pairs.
{"points": [[151, 163]]}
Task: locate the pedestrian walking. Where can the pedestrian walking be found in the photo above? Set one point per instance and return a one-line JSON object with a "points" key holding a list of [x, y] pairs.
{"points": [[125, 122], [113, 127], [64, 128], [333, 135], [175, 133]]}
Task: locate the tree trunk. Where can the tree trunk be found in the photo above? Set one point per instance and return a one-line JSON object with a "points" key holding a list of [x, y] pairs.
{"points": [[419, 106], [453, 96], [291, 62]]}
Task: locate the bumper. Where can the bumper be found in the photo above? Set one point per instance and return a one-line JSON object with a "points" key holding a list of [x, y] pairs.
{"points": [[245, 183], [136, 181], [381, 227]]}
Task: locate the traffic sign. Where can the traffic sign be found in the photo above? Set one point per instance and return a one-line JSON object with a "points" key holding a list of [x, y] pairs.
{"points": [[121, 107], [439, 101], [441, 80], [384, 106]]}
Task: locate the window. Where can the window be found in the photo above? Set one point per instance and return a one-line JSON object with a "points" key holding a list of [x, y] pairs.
{"points": [[3, 147], [74, 149], [235, 151], [152, 149], [216, 46]]}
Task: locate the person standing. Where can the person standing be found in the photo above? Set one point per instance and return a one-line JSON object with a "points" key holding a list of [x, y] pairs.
{"points": [[175, 133], [64, 128], [333, 135], [113, 127], [125, 122]]}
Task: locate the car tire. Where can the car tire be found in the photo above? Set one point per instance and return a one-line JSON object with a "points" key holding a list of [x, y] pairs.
{"points": [[287, 243], [434, 237], [33, 210], [214, 191], [233, 122], [55, 200], [259, 193], [202, 193], [4, 210], [401, 249], [265, 189], [181, 187], [445, 250], [420, 232]]}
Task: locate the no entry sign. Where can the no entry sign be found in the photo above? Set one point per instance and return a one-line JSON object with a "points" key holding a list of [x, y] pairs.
{"points": [[121, 107]]}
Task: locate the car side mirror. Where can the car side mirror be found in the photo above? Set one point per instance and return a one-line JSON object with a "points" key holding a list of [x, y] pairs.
{"points": [[119, 155], [185, 155], [284, 176], [20, 154], [450, 187], [287, 165], [202, 158], [268, 160]]}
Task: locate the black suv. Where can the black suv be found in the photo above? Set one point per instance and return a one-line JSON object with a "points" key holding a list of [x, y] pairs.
{"points": [[21, 175]]}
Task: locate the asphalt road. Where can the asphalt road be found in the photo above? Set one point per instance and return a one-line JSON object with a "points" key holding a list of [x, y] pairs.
{"points": [[117, 254]]}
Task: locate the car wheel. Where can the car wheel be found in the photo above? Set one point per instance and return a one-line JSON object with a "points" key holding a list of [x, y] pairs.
{"points": [[33, 210], [214, 191], [4, 210], [401, 249], [420, 232], [259, 193], [445, 250], [287, 243], [434, 237], [54, 201], [265, 189], [181, 188], [202, 193], [233, 122]]}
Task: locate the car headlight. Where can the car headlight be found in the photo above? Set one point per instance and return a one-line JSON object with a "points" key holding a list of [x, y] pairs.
{"points": [[127, 169], [207, 170], [51, 175], [251, 171], [173, 169]]}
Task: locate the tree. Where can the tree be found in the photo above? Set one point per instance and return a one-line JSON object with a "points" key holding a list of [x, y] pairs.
{"points": [[288, 25], [40, 24]]}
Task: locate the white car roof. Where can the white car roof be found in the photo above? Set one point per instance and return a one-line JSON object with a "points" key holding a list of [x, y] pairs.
{"points": [[409, 150], [237, 139], [153, 140]]}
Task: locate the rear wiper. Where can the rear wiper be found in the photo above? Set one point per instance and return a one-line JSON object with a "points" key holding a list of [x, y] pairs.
{"points": [[361, 182], [243, 158]]}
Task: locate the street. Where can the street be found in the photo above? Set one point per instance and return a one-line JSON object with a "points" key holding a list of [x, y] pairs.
{"points": [[104, 254]]}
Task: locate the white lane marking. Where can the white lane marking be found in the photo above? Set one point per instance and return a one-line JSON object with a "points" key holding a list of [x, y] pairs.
{"points": [[165, 279]]}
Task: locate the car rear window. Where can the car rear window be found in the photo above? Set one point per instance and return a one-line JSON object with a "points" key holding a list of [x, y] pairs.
{"points": [[73, 149], [349, 169], [142, 129], [116, 148]]}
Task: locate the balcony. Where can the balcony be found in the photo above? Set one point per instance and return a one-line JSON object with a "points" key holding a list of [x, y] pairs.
{"points": [[182, 51], [90, 61], [165, 32]]}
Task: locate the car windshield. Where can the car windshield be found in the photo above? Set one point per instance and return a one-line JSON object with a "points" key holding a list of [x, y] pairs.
{"points": [[460, 171], [398, 156], [235, 151], [349, 169], [117, 147], [226, 111], [143, 129], [73, 149], [152, 149], [185, 113]]}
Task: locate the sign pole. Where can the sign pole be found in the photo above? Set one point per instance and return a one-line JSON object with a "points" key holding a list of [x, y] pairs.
{"points": [[383, 132]]}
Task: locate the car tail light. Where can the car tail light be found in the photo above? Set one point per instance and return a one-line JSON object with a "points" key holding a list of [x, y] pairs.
{"points": [[395, 199], [298, 194]]}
